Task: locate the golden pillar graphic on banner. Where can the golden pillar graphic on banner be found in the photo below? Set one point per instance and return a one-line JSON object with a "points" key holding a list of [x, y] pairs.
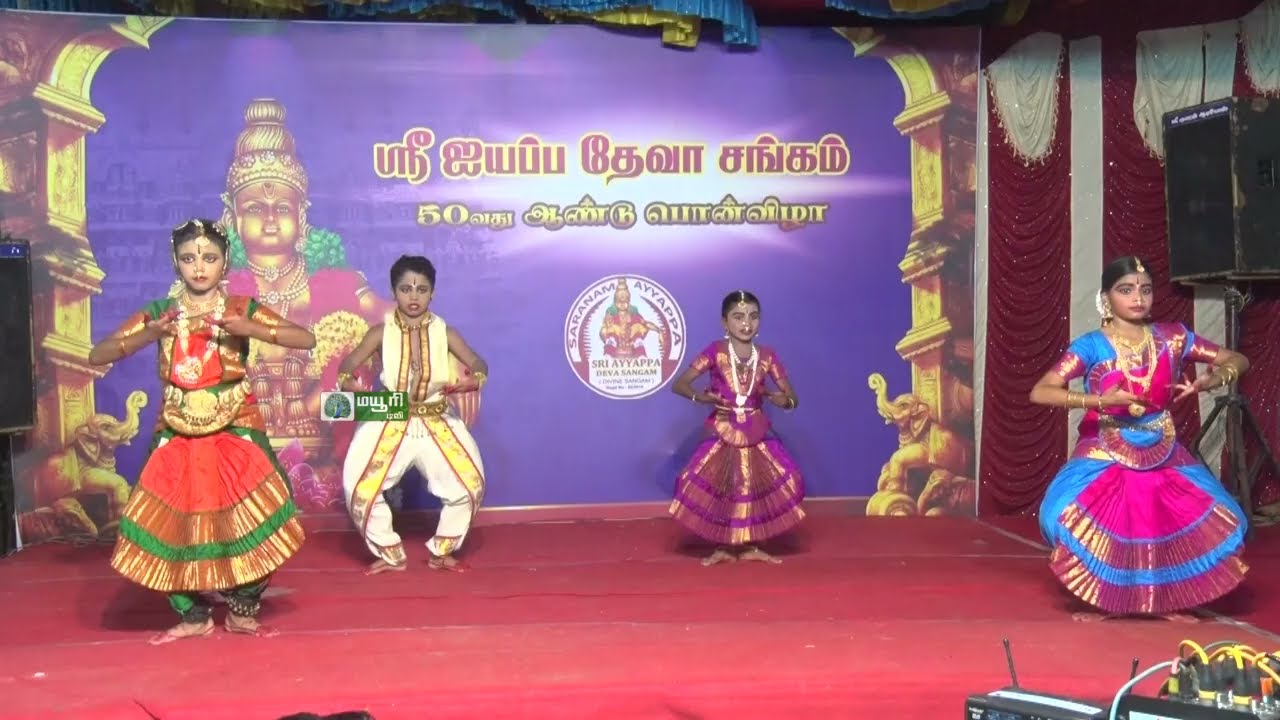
{"points": [[47, 65], [931, 472]]}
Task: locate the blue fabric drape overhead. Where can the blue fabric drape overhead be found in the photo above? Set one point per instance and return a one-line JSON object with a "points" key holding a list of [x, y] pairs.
{"points": [[681, 21], [735, 16], [65, 6], [500, 8], [906, 9]]}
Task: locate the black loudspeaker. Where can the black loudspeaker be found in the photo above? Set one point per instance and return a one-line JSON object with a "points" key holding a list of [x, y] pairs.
{"points": [[17, 341], [1222, 191]]}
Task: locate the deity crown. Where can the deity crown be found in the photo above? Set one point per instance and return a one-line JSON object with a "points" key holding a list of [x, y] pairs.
{"points": [[267, 165]]}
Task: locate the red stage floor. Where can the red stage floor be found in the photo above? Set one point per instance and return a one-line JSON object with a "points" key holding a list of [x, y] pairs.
{"points": [[867, 618]]}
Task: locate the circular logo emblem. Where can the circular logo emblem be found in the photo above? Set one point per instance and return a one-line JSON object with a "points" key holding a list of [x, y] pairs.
{"points": [[336, 406], [624, 337]]}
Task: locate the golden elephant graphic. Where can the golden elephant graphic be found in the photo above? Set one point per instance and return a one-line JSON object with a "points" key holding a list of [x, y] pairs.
{"points": [[928, 473], [78, 493]]}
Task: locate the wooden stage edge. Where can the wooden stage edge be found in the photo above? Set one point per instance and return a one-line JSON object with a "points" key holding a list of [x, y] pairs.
{"points": [[313, 521]]}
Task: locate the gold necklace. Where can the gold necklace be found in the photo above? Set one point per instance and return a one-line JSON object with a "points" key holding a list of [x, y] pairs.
{"points": [[1136, 350], [415, 366], [1140, 354], [282, 300], [190, 368], [272, 274], [740, 374], [197, 308]]}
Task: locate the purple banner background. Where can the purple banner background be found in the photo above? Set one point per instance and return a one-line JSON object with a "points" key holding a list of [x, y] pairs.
{"points": [[833, 302]]}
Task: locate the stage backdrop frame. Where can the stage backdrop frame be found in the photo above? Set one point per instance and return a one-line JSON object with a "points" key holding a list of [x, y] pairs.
{"points": [[44, 129]]}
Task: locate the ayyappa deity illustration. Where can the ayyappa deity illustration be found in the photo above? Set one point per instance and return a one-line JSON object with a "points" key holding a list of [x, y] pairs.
{"points": [[278, 257], [301, 272], [624, 329]]}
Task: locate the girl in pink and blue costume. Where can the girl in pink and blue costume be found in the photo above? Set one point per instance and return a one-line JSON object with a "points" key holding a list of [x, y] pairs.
{"points": [[741, 486], [1137, 525]]}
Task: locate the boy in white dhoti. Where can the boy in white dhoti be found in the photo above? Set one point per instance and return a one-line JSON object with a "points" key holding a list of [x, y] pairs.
{"points": [[415, 346]]}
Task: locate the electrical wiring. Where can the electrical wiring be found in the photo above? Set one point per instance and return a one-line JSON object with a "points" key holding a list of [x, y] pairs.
{"points": [[1115, 702], [1223, 671], [1263, 663]]}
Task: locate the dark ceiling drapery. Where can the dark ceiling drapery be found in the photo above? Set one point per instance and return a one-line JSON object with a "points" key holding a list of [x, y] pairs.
{"points": [[682, 22]]}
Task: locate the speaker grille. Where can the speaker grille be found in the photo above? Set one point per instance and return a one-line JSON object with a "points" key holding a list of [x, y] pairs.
{"points": [[17, 342], [1199, 193]]}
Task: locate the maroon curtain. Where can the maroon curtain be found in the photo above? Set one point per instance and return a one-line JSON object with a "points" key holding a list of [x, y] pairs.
{"points": [[1030, 244], [1029, 265], [1134, 221], [1260, 342]]}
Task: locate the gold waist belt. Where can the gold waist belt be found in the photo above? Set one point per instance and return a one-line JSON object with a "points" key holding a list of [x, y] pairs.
{"points": [[202, 412], [428, 409], [291, 367]]}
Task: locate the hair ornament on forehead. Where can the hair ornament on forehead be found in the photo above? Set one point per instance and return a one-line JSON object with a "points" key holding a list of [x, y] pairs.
{"points": [[202, 226], [1138, 265]]}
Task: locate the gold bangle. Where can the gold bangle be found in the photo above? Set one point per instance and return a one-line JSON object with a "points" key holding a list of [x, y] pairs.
{"points": [[274, 335], [480, 379], [342, 379], [1225, 375], [124, 352]]}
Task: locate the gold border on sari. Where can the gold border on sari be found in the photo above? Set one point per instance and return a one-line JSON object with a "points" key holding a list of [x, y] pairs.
{"points": [[374, 476], [223, 525], [152, 572], [460, 461]]}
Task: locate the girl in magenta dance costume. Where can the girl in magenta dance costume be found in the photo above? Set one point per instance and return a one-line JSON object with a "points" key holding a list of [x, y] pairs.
{"points": [[741, 487], [1137, 525]]}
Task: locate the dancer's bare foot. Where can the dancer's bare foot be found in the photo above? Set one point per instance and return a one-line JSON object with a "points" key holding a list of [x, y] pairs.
{"points": [[448, 562], [717, 557], [755, 554], [381, 566], [248, 626], [182, 631]]}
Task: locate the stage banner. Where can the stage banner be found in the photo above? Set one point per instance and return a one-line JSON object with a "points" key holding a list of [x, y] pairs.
{"points": [[587, 197]]}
